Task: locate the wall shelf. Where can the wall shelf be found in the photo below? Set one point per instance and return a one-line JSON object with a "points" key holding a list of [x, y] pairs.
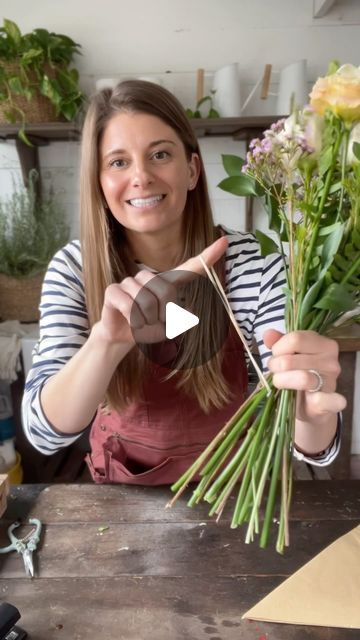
{"points": [[244, 128], [238, 128], [40, 134]]}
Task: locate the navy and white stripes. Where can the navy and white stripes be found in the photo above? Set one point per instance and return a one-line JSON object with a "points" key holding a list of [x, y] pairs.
{"points": [[254, 286]]}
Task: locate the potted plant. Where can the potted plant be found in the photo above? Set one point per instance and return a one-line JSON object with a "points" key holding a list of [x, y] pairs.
{"points": [[36, 81], [31, 231]]}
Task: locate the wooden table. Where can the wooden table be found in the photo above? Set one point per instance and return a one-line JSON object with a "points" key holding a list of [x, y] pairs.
{"points": [[157, 574]]}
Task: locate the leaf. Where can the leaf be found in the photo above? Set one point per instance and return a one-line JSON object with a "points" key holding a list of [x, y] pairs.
{"points": [[15, 84], [355, 237], [213, 113], [202, 101], [267, 244], [325, 161], [336, 299], [49, 88], [242, 185], [22, 135], [330, 246], [335, 187], [10, 115], [309, 300], [12, 31], [324, 231], [356, 150], [29, 56], [68, 110], [232, 164], [275, 223], [341, 263]]}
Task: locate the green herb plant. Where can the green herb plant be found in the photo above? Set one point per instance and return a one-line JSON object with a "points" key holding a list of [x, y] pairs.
{"points": [[31, 231], [200, 113]]}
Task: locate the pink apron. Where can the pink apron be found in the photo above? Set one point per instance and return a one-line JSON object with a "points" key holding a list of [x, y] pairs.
{"points": [[154, 441]]}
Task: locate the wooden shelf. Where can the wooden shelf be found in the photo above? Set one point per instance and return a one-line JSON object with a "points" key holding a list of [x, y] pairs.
{"points": [[347, 337], [41, 134], [238, 128]]}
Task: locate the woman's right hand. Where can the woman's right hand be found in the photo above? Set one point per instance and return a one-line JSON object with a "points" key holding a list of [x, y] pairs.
{"points": [[134, 310]]}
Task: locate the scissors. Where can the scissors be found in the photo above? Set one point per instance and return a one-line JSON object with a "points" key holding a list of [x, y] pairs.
{"points": [[26, 545]]}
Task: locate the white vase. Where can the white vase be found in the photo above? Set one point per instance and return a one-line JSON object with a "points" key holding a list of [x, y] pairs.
{"points": [[154, 79], [292, 85], [106, 83], [226, 84]]}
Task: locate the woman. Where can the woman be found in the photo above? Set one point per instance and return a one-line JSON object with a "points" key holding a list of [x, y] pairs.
{"points": [[145, 210]]}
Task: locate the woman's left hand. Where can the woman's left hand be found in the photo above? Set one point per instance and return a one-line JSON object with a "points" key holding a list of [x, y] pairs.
{"points": [[309, 363]]}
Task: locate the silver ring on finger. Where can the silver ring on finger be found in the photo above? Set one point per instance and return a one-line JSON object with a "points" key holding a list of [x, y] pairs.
{"points": [[320, 381]]}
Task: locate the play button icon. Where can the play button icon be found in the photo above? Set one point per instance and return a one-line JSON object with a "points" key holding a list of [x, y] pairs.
{"points": [[174, 302], [178, 320]]}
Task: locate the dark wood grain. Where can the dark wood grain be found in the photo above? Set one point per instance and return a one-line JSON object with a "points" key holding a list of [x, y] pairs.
{"points": [[156, 573], [167, 549], [148, 608], [85, 503]]}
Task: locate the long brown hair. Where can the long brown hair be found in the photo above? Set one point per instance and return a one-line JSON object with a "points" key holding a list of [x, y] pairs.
{"points": [[102, 243]]}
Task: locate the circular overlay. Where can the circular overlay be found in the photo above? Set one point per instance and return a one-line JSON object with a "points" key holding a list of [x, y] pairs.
{"points": [[190, 293]]}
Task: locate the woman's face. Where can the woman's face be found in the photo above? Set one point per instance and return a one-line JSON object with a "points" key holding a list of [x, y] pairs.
{"points": [[144, 173]]}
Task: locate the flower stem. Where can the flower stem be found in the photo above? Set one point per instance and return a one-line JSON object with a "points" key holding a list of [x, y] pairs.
{"points": [[281, 439], [263, 422], [250, 403], [315, 231]]}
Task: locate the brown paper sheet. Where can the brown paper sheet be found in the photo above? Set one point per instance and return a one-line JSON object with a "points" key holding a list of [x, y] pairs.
{"points": [[324, 592]]}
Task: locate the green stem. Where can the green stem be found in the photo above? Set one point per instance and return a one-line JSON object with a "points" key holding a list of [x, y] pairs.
{"points": [[286, 479], [281, 438], [180, 485], [212, 475], [354, 269], [244, 512], [230, 468], [265, 471], [219, 505], [236, 430], [264, 417], [314, 235], [343, 170]]}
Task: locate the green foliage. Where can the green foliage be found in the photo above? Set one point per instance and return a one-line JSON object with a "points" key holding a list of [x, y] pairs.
{"points": [[238, 183], [356, 150], [31, 56], [30, 231], [267, 244], [233, 164], [197, 113]]}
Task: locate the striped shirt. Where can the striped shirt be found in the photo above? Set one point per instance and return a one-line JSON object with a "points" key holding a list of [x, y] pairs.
{"points": [[254, 287]]}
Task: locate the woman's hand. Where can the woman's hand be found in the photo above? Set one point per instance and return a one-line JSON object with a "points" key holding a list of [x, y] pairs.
{"points": [[134, 309], [294, 355]]}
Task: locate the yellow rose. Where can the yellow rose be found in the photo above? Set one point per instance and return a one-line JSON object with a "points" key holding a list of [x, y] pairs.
{"points": [[339, 92]]}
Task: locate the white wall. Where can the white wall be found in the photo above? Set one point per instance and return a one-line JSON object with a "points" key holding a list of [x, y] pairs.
{"points": [[170, 39]]}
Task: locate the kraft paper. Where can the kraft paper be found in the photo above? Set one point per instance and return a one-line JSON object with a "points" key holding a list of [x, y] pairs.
{"points": [[324, 592]]}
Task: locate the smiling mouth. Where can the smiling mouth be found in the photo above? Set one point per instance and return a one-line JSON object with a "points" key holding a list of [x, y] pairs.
{"points": [[145, 202]]}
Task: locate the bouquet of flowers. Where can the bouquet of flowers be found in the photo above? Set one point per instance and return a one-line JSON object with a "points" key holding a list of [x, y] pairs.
{"points": [[306, 169]]}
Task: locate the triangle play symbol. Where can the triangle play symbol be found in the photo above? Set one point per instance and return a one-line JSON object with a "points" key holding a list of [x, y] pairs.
{"points": [[178, 320]]}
